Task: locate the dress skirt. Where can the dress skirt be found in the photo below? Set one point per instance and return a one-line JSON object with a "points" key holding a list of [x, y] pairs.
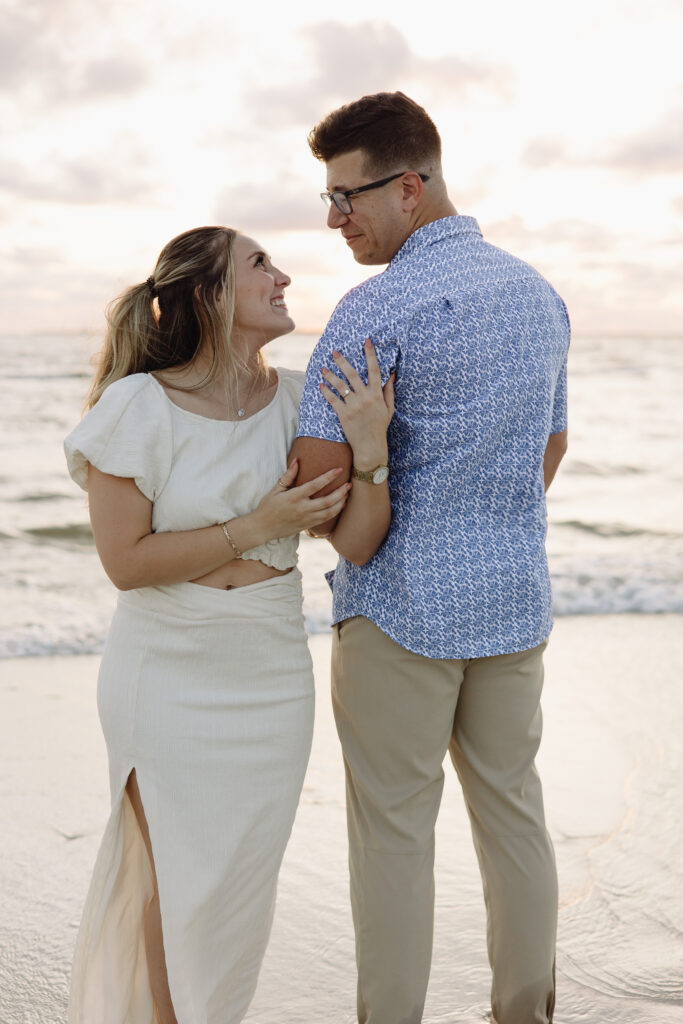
{"points": [[208, 695]]}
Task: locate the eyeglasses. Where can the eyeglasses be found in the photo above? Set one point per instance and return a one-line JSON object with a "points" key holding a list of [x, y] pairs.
{"points": [[342, 201]]}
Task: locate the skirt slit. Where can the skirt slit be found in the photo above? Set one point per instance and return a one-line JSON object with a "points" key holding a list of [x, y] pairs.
{"points": [[110, 980]]}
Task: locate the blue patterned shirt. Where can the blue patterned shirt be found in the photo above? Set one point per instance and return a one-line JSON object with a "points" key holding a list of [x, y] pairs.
{"points": [[479, 343]]}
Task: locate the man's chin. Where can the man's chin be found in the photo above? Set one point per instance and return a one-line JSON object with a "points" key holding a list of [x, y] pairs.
{"points": [[369, 259]]}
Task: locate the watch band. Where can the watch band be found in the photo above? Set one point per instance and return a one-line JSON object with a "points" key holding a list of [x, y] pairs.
{"points": [[371, 476]]}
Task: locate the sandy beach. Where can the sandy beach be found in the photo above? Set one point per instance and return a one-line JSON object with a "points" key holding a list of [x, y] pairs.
{"points": [[610, 761]]}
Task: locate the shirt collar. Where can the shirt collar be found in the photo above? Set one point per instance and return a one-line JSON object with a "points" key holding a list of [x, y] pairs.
{"points": [[436, 231]]}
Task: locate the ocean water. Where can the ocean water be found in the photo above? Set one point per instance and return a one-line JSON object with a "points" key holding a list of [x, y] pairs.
{"points": [[615, 538]]}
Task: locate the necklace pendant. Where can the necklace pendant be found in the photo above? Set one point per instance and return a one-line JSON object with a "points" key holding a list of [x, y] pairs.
{"points": [[241, 413]]}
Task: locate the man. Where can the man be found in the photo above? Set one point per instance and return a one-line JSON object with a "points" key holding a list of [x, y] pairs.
{"points": [[438, 638]]}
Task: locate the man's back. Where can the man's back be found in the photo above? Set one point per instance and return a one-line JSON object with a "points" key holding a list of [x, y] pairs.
{"points": [[439, 638], [479, 342]]}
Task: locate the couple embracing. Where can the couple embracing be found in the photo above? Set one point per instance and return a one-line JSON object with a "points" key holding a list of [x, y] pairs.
{"points": [[420, 443]]}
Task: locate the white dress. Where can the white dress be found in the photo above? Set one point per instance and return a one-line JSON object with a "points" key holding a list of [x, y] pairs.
{"points": [[208, 695]]}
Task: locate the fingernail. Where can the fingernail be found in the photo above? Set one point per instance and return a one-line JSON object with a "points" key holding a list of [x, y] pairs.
{"points": [[335, 353], [324, 370]]}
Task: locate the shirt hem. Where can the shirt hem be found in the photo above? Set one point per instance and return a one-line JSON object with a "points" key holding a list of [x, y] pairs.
{"points": [[491, 650]]}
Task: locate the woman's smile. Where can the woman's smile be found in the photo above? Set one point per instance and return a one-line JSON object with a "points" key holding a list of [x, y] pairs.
{"points": [[278, 302]]}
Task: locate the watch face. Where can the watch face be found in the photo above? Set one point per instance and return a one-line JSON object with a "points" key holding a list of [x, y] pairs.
{"points": [[380, 475]]}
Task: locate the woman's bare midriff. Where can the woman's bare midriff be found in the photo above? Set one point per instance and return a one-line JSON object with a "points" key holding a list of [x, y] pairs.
{"points": [[240, 573]]}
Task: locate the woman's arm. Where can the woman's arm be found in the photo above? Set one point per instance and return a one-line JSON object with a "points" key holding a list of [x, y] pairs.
{"points": [[133, 556], [364, 413]]}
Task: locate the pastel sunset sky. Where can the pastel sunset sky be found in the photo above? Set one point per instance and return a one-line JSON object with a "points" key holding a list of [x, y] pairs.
{"points": [[126, 122]]}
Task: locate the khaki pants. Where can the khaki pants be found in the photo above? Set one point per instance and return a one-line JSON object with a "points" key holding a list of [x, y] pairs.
{"points": [[397, 714]]}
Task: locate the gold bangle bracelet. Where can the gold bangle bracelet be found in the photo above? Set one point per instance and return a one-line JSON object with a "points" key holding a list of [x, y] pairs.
{"points": [[224, 528]]}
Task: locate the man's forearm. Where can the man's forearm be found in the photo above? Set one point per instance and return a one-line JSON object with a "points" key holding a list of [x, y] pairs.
{"points": [[554, 453], [365, 521], [363, 525]]}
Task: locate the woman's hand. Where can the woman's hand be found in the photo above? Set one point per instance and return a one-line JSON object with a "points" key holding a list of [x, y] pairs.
{"points": [[286, 510], [364, 411], [134, 556]]}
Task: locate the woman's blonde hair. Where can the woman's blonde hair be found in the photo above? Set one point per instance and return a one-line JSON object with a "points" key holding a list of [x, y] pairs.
{"points": [[187, 305]]}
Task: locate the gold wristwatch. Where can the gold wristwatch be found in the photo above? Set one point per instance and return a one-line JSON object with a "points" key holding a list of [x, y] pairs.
{"points": [[371, 476]]}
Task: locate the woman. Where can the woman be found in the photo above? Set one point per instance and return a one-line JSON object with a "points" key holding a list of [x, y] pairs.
{"points": [[205, 690]]}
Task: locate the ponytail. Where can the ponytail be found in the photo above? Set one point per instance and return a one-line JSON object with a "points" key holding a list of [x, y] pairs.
{"points": [[132, 336], [186, 306]]}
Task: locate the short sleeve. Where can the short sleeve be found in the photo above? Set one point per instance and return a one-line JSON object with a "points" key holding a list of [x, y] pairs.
{"points": [[317, 418], [127, 433], [559, 417], [558, 421]]}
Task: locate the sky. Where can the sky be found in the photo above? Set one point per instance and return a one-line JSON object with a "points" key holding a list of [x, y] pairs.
{"points": [[123, 124]]}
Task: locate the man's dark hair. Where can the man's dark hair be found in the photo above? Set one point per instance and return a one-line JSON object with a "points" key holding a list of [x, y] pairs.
{"points": [[390, 128]]}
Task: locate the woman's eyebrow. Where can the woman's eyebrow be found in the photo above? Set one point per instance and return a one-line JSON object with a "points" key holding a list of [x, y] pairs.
{"points": [[258, 252]]}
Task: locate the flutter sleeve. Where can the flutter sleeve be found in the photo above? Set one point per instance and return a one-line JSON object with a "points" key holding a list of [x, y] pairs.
{"points": [[127, 433], [292, 384]]}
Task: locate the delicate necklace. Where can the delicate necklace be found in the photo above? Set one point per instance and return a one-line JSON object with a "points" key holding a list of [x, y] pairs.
{"points": [[242, 410]]}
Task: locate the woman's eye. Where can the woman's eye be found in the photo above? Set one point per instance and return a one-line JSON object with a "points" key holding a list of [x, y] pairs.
{"points": [[260, 261]]}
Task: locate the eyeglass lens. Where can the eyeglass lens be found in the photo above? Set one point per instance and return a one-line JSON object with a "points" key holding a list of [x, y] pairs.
{"points": [[342, 203]]}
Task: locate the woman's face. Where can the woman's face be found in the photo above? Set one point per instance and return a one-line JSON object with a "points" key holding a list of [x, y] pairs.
{"points": [[260, 310]]}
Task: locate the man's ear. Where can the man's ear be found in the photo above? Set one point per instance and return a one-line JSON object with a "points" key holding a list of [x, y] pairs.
{"points": [[411, 183]]}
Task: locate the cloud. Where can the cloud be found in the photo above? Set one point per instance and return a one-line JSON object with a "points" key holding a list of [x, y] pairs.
{"points": [[35, 68], [61, 296], [648, 284], [285, 205], [116, 177], [656, 151], [23, 52], [545, 152], [620, 299], [581, 235], [35, 256], [112, 75], [351, 60]]}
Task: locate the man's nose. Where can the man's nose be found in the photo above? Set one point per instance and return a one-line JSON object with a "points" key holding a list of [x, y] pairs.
{"points": [[335, 218]]}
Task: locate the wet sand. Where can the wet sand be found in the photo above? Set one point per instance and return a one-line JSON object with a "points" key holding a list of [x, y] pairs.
{"points": [[610, 762]]}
